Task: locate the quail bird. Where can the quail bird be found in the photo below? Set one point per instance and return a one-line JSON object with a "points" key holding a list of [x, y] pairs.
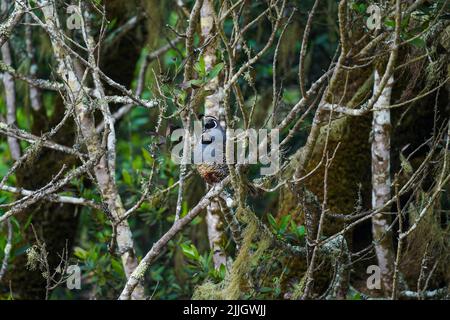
{"points": [[211, 171]]}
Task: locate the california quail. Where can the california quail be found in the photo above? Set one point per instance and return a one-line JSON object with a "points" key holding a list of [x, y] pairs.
{"points": [[211, 170]]}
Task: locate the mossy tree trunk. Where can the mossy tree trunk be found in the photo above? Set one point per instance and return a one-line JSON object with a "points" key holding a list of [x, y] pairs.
{"points": [[56, 223], [349, 177]]}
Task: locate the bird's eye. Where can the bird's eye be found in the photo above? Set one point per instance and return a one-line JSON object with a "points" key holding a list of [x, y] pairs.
{"points": [[210, 124]]}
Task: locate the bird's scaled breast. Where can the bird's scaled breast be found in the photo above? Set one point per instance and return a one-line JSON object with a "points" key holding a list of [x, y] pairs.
{"points": [[212, 173]]}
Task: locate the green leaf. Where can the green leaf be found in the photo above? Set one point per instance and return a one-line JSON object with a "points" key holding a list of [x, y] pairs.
{"points": [[196, 83], [127, 177], [117, 266], [272, 221], [389, 23], [418, 42], [80, 253], [222, 271], [215, 71], [359, 7], [182, 94], [190, 251], [404, 23], [147, 156], [137, 163], [284, 223], [185, 209], [293, 226], [200, 67], [197, 220], [357, 296], [301, 231]]}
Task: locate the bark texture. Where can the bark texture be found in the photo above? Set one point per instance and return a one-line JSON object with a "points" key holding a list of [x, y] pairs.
{"points": [[381, 183]]}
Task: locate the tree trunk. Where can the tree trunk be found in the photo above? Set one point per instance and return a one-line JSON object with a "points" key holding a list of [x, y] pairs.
{"points": [[214, 221], [381, 182], [57, 223]]}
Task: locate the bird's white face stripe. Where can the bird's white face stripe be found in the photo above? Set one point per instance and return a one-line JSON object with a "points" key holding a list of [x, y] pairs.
{"points": [[210, 123]]}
